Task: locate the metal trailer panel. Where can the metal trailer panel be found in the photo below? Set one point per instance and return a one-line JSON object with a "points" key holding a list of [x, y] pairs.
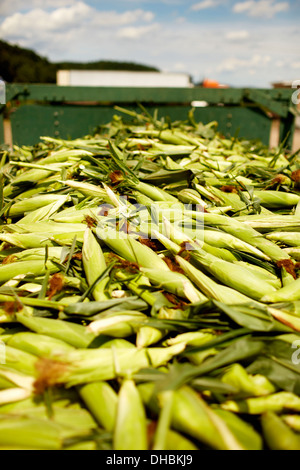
{"points": [[70, 112], [70, 122]]}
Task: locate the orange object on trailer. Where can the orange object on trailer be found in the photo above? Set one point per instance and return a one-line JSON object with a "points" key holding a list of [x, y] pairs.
{"points": [[207, 83]]}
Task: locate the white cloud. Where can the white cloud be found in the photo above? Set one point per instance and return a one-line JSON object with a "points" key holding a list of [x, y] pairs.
{"points": [[8, 7], [136, 32], [112, 18], [232, 64], [205, 4], [237, 35], [261, 8], [242, 7], [39, 23], [180, 20], [180, 67]]}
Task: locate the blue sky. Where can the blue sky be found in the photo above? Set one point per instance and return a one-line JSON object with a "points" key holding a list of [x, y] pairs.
{"points": [[237, 42]]}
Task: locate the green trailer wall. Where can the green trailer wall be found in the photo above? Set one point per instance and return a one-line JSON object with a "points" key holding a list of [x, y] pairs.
{"points": [[69, 112]]}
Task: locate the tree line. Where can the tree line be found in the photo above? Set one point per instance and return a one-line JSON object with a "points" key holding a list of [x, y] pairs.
{"points": [[20, 65]]}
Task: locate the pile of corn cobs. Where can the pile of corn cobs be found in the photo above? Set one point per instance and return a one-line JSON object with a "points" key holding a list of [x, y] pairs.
{"points": [[150, 291]]}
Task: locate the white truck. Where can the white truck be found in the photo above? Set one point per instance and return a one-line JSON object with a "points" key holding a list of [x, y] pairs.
{"points": [[114, 78]]}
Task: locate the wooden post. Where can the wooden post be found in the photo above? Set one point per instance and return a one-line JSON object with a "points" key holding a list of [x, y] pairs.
{"points": [[8, 137]]}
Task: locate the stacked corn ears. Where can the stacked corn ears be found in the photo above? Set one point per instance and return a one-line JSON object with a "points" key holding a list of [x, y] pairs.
{"points": [[149, 291]]}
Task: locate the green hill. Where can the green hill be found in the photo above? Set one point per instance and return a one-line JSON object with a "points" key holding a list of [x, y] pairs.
{"points": [[19, 65]]}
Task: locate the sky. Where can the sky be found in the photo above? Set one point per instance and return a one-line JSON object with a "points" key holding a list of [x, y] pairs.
{"points": [[237, 42]]}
